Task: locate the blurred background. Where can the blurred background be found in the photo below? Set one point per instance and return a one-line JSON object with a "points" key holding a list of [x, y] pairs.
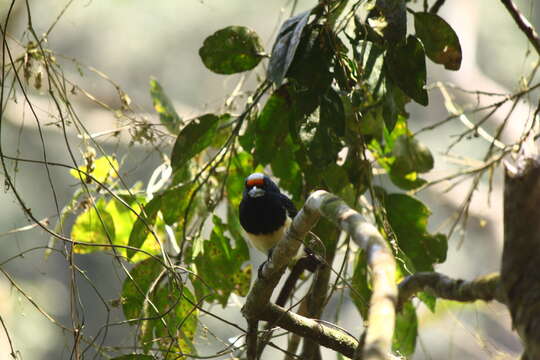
{"points": [[133, 40]]}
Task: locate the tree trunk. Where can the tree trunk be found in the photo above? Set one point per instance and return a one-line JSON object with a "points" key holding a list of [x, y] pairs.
{"points": [[520, 272]]}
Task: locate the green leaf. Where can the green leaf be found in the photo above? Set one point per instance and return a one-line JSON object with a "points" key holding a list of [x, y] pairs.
{"points": [[164, 107], [194, 138], [143, 226], [136, 287], [406, 65], [272, 125], [372, 122], [408, 218], [134, 357], [440, 40], [231, 50], [181, 319], [174, 202], [408, 181], [94, 226], [313, 59], [393, 104], [411, 156], [285, 46], [406, 331], [429, 300]]}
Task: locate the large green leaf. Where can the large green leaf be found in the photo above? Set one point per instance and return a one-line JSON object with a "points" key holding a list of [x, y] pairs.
{"points": [[272, 125], [194, 138], [440, 40], [285, 46], [406, 64], [410, 156], [231, 50], [406, 331], [174, 202], [164, 107], [408, 218], [136, 287], [313, 59]]}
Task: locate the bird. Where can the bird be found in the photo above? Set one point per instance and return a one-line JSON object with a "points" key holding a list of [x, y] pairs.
{"points": [[265, 212]]}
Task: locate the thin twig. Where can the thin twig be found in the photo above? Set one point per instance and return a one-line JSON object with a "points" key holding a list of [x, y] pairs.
{"points": [[524, 24]]}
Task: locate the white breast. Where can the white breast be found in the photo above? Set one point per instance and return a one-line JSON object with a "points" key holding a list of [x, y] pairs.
{"points": [[264, 242]]}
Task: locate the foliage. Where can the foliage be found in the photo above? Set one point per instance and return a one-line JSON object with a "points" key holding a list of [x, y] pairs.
{"points": [[329, 114]]}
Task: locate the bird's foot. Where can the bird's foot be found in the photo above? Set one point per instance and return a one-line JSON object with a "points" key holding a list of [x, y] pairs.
{"points": [[261, 267]]}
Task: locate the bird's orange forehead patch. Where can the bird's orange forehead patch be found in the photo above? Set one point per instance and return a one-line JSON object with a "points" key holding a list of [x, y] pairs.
{"points": [[255, 179]]}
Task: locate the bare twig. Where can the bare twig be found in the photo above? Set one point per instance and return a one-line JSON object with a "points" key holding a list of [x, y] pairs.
{"points": [[524, 24]]}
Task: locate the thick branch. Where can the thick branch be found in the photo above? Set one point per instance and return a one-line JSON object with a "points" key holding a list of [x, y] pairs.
{"points": [[487, 287], [382, 309], [327, 336], [524, 25]]}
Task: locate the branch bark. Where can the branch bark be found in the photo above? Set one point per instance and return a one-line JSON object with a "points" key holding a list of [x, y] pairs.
{"points": [[381, 317], [487, 287], [524, 25]]}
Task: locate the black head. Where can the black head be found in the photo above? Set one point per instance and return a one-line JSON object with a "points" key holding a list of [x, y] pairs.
{"points": [[258, 185]]}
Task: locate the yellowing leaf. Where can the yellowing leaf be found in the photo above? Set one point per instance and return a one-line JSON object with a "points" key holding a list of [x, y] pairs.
{"points": [[94, 226], [102, 169]]}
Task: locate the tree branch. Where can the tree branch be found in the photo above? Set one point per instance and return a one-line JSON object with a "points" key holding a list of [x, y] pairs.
{"points": [[487, 287], [524, 24], [382, 309], [381, 315], [325, 335]]}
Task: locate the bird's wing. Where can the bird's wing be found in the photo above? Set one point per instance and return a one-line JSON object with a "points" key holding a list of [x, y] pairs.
{"points": [[288, 205]]}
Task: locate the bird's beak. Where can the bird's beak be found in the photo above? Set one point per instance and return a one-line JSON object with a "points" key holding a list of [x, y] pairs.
{"points": [[256, 192]]}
